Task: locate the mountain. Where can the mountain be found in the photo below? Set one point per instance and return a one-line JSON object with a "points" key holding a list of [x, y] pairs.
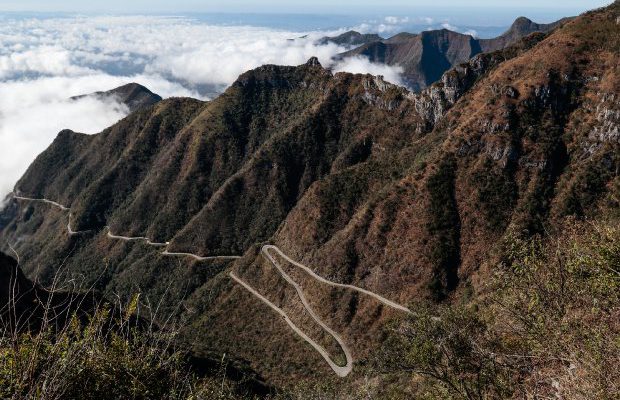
{"points": [[25, 305], [133, 95], [425, 57], [13, 281], [350, 38], [519, 29], [372, 195]]}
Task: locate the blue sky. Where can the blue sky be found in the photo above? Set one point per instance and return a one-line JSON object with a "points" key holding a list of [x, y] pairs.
{"points": [[271, 6]]}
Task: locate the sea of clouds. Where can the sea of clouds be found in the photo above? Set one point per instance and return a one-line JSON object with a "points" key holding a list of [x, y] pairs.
{"points": [[45, 61]]}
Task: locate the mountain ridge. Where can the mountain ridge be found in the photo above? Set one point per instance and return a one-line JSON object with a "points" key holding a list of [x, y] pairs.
{"points": [[426, 56], [350, 38]]}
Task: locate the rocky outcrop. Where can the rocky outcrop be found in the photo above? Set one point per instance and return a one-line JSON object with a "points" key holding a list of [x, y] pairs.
{"points": [[433, 102], [607, 111]]}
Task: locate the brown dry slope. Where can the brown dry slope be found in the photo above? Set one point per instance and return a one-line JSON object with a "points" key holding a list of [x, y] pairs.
{"points": [[533, 141]]}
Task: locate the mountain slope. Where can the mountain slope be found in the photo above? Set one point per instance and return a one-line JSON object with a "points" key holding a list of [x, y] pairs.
{"points": [[507, 159], [425, 57], [25, 306], [406, 195]]}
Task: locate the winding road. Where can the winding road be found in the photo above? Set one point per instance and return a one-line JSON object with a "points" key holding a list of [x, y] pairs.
{"points": [[71, 231], [319, 278], [110, 235], [53, 203], [57, 205], [341, 371]]}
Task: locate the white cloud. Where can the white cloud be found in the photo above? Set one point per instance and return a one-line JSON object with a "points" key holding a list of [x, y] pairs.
{"points": [[221, 61], [453, 28], [29, 121], [449, 27], [471, 32], [43, 62], [32, 112], [192, 52], [386, 26], [394, 24], [396, 20], [361, 65], [46, 60]]}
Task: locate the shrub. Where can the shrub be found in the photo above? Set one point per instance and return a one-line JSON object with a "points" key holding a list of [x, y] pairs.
{"points": [[560, 298], [545, 325], [109, 357], [454, 352], [114, 355], [444, 227]]}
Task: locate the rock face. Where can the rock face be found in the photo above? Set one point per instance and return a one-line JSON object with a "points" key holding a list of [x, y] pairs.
{"points": [[350, 38], [133, 95], [425, 57], [404, 194]]}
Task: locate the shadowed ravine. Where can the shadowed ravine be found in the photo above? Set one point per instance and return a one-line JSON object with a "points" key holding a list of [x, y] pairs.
{"points": [[341, 371]]}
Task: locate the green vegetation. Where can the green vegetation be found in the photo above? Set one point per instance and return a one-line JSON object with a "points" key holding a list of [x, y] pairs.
{"points": [[112, 356], [497, 194], [598, 30], [444, 227], [546, 326]]}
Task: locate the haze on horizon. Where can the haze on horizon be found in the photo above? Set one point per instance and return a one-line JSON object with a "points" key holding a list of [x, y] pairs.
{"points": [[285, 6]]}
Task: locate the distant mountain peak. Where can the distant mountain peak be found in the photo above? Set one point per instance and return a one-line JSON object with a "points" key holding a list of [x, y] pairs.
{"points": [[132, 86], [427, 55], [350, 38], [522, 20], [133, 95], [313, 62], [523, 25]]}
